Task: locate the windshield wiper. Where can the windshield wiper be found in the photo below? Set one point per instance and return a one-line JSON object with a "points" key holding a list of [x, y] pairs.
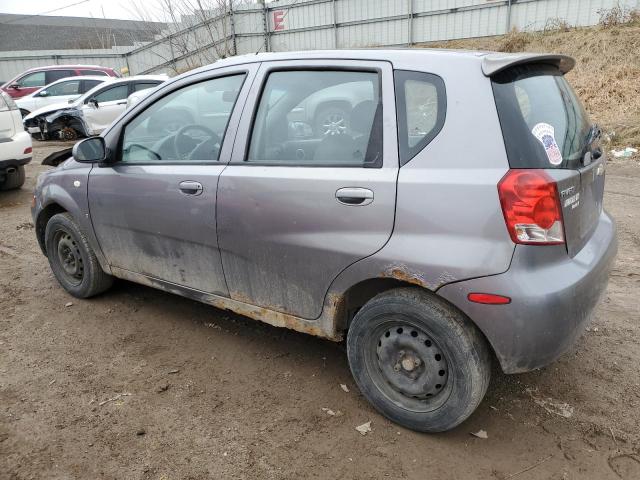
{"points": [[592, 145]]}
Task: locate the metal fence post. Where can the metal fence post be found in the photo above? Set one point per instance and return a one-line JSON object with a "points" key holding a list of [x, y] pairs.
{"points": [[335, 25], [265, 19], [233, 27], [409, 23]]}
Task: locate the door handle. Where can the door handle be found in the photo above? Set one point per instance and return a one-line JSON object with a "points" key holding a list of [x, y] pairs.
{"points": [[189, 187], [354, 196]]}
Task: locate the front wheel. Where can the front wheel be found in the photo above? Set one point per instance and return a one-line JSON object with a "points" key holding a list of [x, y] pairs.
{"points": [[418, 360], [72, 259]]}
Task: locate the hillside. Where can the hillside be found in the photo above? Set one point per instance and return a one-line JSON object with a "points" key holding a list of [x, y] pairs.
{"points": [[607, 73]]}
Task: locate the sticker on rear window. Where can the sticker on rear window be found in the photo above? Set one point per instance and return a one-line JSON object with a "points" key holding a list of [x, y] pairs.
{"points": [[545, 133]]}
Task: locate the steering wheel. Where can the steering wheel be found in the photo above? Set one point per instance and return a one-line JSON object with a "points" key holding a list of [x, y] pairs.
{"points": [[183, 148]]}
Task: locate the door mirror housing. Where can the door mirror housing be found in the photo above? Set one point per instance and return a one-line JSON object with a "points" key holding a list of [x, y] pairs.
{"points": [[43, 93], [90, 150], [15, 86], [93, 102]]}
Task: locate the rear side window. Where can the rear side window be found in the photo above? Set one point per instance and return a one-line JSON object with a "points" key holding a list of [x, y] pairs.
{"points": [[54, 75], [421, 105], [319, 118], [543, 123]]}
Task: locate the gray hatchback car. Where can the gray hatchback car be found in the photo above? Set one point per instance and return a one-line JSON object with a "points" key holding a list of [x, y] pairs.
{"points": [[449, 215]]}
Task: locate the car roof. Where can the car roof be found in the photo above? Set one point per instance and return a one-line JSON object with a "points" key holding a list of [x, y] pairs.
{"points": [[58, 67], [104, 78], [490, 62]]}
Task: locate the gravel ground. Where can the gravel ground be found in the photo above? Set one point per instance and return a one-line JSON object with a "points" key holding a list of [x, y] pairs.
{"points": [[141, 384]]}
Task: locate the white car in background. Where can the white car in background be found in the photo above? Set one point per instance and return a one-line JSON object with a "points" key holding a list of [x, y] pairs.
{"points": [[138, 96], [60, 91], [91, 113], [15, 145]]}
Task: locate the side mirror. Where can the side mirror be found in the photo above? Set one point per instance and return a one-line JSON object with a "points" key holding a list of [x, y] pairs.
{"points": [[43, 93], [15, 86], [90, 150], [93, 102]]}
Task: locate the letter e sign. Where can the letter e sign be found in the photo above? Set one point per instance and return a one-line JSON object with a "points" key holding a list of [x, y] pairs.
{"points": [[278, 20]]}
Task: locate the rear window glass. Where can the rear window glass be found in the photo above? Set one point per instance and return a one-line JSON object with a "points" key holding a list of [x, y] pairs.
{"points": [[543, 123]]}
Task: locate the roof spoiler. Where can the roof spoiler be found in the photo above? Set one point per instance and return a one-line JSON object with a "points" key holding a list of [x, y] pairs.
{"points": [[494, 63]]}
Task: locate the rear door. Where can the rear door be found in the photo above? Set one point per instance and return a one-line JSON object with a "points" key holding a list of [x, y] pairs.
{"points": [[154, 210], [302, 199], [545, 127]]}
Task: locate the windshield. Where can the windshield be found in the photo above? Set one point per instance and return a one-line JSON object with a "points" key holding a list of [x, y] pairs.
{"points": [[543, 123]]}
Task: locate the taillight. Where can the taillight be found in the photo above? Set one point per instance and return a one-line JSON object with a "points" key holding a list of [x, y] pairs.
{"points": [[531, 207]]}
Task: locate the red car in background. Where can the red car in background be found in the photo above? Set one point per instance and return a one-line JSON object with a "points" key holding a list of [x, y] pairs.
{"points": [[35, 78]]}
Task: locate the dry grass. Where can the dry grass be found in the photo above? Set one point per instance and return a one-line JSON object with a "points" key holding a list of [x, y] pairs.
{"points": [[607, 72]]}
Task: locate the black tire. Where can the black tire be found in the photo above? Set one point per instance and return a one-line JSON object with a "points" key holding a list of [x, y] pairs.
{"points": [[13, 180], [72, 259], [418, 360]]}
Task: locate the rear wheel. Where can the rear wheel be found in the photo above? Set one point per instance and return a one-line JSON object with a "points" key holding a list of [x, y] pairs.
{"points": [[418, 360], [13, 179], [72, 259]]}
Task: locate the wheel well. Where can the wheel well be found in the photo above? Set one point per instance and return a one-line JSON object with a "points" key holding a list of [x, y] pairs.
{"points": [[360, 293], [41, 222]]}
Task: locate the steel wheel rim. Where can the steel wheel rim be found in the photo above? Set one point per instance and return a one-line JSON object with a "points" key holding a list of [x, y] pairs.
{"points": [[334, 124], [69, 257], [408, 366]]}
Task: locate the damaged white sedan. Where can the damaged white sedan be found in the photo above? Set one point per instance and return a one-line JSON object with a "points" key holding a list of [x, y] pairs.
{"points": [[91, 113]]}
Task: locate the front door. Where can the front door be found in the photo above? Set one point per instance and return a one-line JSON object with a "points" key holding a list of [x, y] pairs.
{"points": [[312, 182], [154, 211], [108, 105]]}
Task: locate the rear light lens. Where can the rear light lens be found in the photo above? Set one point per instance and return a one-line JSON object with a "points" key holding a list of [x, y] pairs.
{"points": [[488, 298], [28, 150], [531, 207]]}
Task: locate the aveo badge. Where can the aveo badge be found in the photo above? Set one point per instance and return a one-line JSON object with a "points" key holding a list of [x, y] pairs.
{"points": [[545, 134]]}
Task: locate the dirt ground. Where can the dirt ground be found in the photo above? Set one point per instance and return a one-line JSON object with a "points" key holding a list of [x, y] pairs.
{"points": [[141, 384]]}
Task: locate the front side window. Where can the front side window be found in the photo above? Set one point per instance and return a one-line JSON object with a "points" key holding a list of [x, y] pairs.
{"points": [[421, 104], [35, 79], [188, 125], [112, 94], [319, 118], [64, 88]]}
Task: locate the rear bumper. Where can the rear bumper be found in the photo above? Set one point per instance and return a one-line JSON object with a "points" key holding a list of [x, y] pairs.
{"points": [[12, 150], [552, 299]]}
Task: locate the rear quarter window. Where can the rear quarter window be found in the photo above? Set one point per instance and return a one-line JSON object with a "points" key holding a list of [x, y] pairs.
{"points": [[543, 123], [421, 108]]}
